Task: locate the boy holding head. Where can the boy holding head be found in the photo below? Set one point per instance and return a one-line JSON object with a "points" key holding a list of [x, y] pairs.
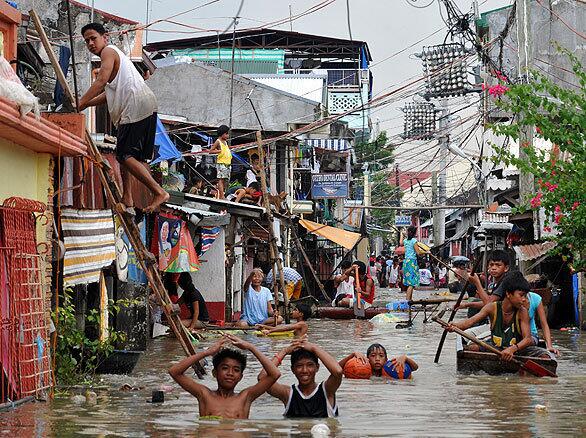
{"points": [[307, 398], [228, 370]]}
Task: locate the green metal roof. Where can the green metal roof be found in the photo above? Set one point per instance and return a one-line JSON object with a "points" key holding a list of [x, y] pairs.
{"points": [[225, 54]]}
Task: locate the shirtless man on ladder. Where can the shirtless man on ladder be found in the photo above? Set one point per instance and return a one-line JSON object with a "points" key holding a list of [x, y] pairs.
{"points": [[133, 109]]}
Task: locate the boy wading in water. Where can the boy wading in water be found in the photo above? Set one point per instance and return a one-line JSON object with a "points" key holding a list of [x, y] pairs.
{"points": [[133, 109], [307, 398], [376, 355], [228, 370]]}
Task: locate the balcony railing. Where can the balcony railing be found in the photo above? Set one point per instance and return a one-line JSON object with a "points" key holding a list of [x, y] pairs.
{"points": [[337, 77]]}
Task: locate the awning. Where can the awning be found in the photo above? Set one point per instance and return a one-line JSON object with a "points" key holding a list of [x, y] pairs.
{"points": [[533, 251], [347, 239]]}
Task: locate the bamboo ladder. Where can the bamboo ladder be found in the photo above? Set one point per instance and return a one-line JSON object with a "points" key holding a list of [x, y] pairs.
{"points": [[145, 258]]}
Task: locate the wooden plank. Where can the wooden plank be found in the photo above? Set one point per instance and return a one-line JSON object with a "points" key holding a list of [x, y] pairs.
{"points": [[145, 258]]}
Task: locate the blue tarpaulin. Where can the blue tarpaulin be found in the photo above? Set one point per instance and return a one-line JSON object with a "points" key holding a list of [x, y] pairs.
{"points": [[165, 148]]}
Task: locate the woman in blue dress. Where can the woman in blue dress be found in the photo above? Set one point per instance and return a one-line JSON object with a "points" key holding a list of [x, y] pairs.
{"points": [[410, 266]]}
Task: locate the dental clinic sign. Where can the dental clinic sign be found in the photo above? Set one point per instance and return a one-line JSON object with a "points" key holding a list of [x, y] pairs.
{"points": [[329, 185]]}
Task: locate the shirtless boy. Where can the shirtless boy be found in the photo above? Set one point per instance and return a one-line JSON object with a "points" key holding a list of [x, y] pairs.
{"points": [[228, 370], [301, 313]]}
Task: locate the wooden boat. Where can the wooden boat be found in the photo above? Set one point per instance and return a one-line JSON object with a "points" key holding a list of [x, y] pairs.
{"points": [[347, 313], [473, 362]]}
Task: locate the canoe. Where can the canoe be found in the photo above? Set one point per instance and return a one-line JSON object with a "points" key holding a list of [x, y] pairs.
{"points": [[474, 362], [347, 313]]}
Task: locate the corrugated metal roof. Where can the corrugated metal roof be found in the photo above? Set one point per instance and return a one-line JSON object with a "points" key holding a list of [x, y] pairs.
{"points": [[533, 251], [245, 67]]}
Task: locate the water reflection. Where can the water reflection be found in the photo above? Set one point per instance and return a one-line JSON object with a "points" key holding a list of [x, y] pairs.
{"points": [[437, 402]]}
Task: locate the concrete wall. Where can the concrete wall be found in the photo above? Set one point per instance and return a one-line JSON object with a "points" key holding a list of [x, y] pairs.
{"points": [[546, 29], [202, 95], [53, 14]]}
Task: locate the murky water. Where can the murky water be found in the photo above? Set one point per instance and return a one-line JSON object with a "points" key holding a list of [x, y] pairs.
{"points": [[437, 402]]}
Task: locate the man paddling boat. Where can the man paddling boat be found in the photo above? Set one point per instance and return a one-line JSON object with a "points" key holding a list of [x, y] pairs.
{"points": [[509, 321]]}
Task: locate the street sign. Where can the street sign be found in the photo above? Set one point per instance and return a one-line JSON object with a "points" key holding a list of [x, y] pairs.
{"points": [[402, 221], [329, 185]]}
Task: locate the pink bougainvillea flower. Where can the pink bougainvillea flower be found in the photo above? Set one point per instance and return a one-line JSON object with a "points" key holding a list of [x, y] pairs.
{"points": [[497, 90], [536, 201], [547, 229], [558, 209], [558, 218], [575, 205], [551, 187]]}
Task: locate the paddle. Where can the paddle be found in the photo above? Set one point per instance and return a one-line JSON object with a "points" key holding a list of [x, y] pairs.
{"points": [[358, 307], [529, 365], [454, 310]]}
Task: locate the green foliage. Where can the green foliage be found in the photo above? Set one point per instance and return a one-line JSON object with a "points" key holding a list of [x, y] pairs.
{"points": [[378, 154], [76, 355], [559, 116]]}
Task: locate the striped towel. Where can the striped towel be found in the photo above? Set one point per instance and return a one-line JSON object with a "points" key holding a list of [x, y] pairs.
{"points": [[208, 236], [89, 244]]}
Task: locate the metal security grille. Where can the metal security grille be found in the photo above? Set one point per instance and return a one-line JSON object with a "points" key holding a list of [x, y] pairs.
{"points": [[24, 344], [342, 102]]}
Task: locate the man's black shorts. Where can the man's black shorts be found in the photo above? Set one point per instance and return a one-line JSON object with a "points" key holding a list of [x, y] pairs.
{"points": [[137, 139]]}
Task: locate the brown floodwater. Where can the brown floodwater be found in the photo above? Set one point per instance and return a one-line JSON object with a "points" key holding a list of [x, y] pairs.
{"points": [[436, 402]]}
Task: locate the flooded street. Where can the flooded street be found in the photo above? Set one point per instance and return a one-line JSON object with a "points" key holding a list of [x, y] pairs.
{"points": [[437, 402]]}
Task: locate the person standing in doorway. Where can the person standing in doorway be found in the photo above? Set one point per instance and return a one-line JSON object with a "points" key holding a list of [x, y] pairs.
{"points": [[224, 161], [133, 110], [410, 267]]}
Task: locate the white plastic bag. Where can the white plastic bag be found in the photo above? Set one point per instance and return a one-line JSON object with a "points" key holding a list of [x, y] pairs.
{"points": [[12, 89]]}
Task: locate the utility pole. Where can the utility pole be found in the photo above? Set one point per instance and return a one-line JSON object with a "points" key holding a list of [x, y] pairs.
{"points": [[232, 77], [439, 216], [398, 191], [434, 201], [148, 17], [523, 17]]}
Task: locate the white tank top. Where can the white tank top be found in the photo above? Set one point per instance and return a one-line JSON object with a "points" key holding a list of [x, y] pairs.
{"points": [[344, 288], [128, 96]]}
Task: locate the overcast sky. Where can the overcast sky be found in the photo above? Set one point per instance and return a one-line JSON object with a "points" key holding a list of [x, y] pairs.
{"points": [[388, 26]]}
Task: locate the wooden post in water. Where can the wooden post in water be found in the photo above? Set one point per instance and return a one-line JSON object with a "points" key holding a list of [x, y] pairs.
{"points": [[273, 251]]}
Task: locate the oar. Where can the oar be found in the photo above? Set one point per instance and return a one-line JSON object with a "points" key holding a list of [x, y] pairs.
{"points": [[358, 307], [454, 310], [529, 365]]}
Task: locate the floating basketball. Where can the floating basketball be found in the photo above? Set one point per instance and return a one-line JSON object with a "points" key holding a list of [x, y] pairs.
{"points": [[390, 371], [356, 369]]}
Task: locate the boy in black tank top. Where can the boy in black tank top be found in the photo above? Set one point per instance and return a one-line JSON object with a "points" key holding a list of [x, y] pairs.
{"points": [[307, 398]]}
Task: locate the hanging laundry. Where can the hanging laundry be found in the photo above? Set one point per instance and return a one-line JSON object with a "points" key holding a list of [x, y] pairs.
{"points": [[175, 246], [89, 244], [208, 237]]}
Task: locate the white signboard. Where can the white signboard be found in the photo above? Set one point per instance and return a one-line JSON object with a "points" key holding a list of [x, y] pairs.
{"points": [[402, 221]]}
